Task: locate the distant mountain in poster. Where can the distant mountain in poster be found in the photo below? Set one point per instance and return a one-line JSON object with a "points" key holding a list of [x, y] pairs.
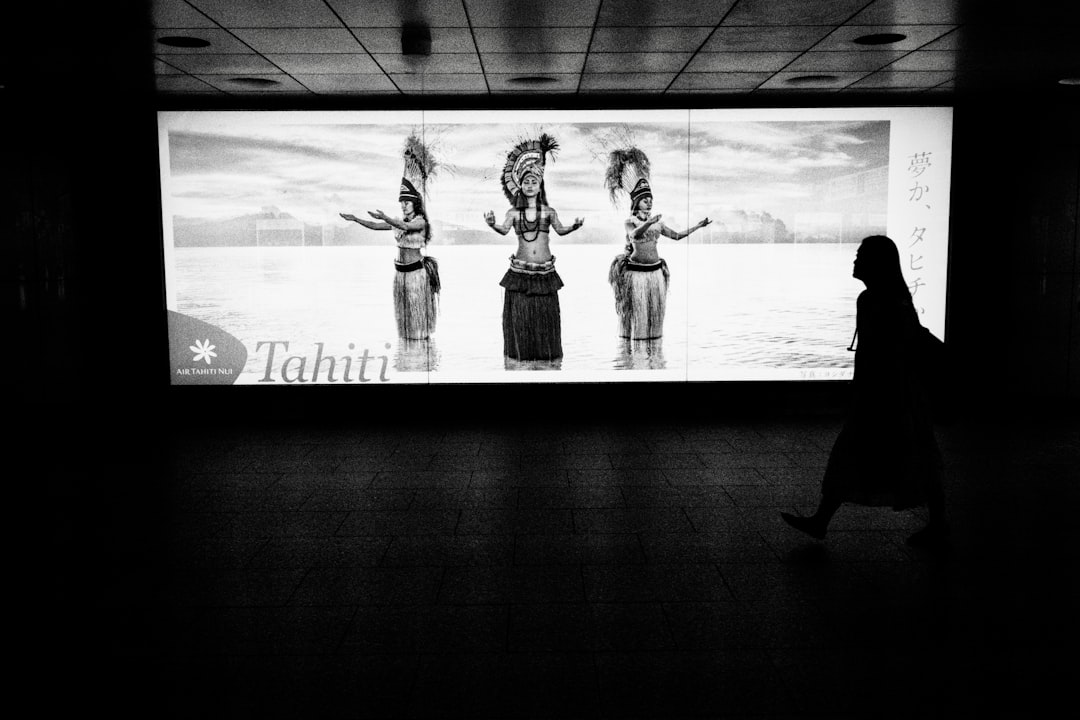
{"points": [[272, 227]]}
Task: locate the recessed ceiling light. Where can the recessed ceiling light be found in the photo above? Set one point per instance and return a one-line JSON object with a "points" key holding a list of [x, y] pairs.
{"points": [[811, 79], [184, 41], [254, 81], [1069, 81], [532, 80], [879, 39]]}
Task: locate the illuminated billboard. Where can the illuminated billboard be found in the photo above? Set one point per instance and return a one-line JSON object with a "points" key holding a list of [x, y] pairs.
{"points": [[549, 246]]}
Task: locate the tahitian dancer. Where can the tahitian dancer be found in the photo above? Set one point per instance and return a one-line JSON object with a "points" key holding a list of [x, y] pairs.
{"points": [[416, 276], [639, 276], [532, 324]]}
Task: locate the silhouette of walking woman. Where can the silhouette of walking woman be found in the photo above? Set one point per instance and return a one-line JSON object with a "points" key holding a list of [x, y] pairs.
{"points": [[886, 454]]}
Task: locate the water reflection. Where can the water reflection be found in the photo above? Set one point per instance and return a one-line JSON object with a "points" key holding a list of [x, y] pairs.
{"points": [[416, 355], [511, 364], [640, 354]]}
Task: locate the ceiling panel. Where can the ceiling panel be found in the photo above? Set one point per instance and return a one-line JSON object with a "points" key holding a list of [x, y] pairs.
{"points": [[740, 61], [560, 83], [915, 36], [793, 12], [927, 60], [388, 40], [224, 64], [545, 14], [854, 61], [254, 84], [648, 39], [381, 13], [184, 85], [636, 62], [431, 84], [353, 47], [909, 12], [349, 84], [178, 14], [899, 79], [719, 81], [952, 40], [791, 81], [163, 68], [638, 82], [441, 64], [268, 13], [220, 41], [706, 13], [518, 40], [532, 63], [299, 40], [325, 63], [750, 39]]}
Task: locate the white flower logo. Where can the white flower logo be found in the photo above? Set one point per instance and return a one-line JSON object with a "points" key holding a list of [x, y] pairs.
{"points": [[203, 351]]}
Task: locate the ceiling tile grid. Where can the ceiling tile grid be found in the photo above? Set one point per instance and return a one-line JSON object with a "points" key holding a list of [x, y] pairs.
{"points": [[297, 48]]}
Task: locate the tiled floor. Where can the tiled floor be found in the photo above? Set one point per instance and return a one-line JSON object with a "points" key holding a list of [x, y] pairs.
{"points": [[577, 571]]}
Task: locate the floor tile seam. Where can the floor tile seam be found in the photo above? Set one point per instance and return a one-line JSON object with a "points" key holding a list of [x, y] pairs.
{"points": [[693, 527], [773, 548], [723, 577], [441, 583]]}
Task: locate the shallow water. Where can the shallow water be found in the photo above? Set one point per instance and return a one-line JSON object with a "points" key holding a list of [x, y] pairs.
{"points": [[734, 312]]}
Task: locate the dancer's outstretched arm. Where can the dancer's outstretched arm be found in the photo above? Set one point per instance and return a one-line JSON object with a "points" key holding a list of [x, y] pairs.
{"points": [[636, 232], [417, 223], [366, 223], [508, 222], [668, 232], [557, 225]]}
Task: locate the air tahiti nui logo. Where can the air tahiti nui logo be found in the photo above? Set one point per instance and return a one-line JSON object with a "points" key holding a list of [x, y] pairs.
{"points": [[203, 354]]}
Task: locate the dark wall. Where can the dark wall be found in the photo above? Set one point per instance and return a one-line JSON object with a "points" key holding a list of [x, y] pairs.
{"points": [[84, 370], [1014, 285], [83, 208]]}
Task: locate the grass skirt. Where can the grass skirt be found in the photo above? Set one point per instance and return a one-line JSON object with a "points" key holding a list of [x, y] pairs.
{"points": [[640, 297], [531, 320], [416, 298]]}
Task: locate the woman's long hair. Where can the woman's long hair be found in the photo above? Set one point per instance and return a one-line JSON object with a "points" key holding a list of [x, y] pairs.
{"points": [[419, 211], [881, 271]]}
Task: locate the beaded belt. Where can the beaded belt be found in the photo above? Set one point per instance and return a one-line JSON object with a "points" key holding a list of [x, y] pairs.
{"points": [[539, 268]]}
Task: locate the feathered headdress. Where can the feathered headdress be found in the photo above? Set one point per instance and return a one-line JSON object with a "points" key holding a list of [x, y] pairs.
{"points": [[628, 172], [420, 167], [527, 157]]}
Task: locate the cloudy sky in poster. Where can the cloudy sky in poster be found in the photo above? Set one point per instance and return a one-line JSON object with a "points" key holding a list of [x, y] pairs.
{"points": [[230, 166]]}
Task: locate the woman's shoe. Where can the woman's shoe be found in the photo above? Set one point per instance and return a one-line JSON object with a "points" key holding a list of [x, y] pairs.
{"points": [[808, 525]]}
